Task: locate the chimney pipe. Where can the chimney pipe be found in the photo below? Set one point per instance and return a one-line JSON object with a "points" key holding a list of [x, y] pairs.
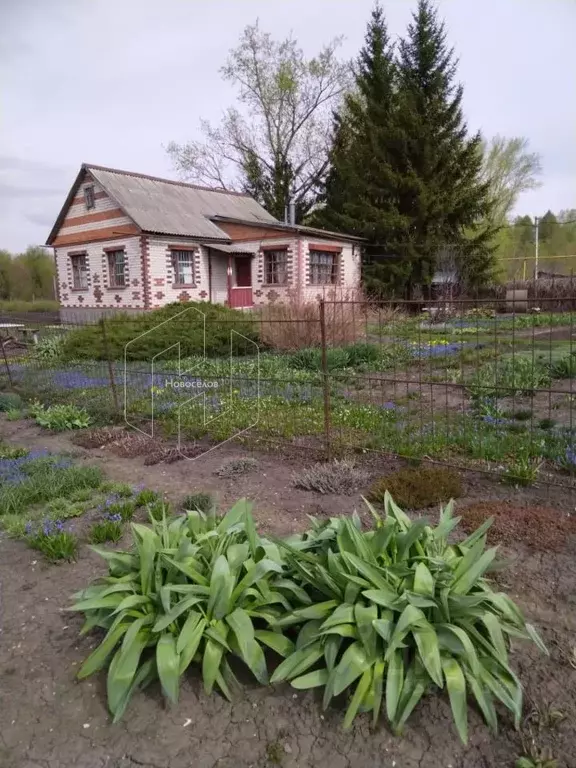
{"points": [[285, 214], [292, 211]]}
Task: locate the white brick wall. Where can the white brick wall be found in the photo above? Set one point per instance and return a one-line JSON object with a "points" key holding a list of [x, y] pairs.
{"points": [[161, 273], [99, 294]]}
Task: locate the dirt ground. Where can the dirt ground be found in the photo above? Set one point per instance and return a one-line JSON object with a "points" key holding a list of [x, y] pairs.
{"points": [[48, 720]]}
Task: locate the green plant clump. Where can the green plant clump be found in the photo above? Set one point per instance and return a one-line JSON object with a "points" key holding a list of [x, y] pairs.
{"points": [[418, 487], [201, 328], [509, 377], [10, 401], [193, 589], [382, 615], [396, 612], [108, 529], [52, 540], [201, 502], [61, 417]]}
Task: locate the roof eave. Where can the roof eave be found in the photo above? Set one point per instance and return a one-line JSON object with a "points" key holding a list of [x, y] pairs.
{"points": [[296, 228]]}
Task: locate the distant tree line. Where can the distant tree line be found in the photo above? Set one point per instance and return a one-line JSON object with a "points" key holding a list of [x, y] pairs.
{"points": [[27, 276]]}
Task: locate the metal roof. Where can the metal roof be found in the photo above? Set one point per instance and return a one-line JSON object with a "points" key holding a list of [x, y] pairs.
{"points": [[167, 207], [225, 248], [176, 208]]}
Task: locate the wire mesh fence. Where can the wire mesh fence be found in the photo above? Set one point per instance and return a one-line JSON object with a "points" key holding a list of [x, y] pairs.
{"points": [[485, 384]]}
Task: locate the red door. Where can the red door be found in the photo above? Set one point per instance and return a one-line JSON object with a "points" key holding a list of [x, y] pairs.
{"points": [[243, 271], [241, 291]]}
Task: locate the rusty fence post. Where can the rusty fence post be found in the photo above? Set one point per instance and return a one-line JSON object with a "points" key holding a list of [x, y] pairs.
{"points": [[110, 367], [8, 371], [325, 381]]}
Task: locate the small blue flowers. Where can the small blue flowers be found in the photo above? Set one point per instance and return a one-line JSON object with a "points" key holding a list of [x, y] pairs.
{"points": [[112, 518], [46, 528]]}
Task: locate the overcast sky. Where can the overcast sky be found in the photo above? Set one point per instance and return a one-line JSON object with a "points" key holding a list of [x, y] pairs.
{"points": [[110, 82]]}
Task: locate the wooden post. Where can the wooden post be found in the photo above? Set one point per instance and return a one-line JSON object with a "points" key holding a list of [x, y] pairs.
{"points": [[8, 371], [325, 381], [110, 367]]}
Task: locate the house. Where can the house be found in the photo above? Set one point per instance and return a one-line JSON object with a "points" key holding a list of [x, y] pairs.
{"points": [[131, 242]]}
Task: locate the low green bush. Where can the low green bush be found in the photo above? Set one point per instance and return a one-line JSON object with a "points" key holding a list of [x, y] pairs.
{"points": [[418, 487], [10, 401], [59, 418], [140, 337]]}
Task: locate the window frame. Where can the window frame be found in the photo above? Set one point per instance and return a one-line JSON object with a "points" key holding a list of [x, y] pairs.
{"points": [[89, 197], [83, 256], [175, 254], [111, 254], [317, 267], [275, 252]]}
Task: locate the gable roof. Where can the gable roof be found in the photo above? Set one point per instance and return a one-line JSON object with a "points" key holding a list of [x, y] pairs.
{"points": [[167, 207]]}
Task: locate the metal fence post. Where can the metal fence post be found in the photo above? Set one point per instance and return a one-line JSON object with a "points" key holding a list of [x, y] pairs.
{"points": [[325, 380], [110, 367], [8, 371]]}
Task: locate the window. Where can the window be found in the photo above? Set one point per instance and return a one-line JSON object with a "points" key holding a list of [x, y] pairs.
{"points": [[89, 197], [117, 268], [323, 268], [183, 263], [275, 267], [79, 272]]}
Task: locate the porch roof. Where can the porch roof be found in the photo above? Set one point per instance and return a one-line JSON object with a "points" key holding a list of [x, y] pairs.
{"points": [[238, 250]]}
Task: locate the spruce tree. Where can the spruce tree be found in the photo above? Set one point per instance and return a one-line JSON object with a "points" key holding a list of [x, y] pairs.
{"points": [[362, 187], [443, 192]]}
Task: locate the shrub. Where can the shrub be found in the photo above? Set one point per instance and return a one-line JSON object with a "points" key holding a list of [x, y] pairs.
{"points": [[397, 611], [235, 467], [63, 509], [418, 487], [49, 348], [52, 540], [61, 417], [195, 589], [201, 502], [10, 401], [188, 329], [107, 529], [336, 477]]}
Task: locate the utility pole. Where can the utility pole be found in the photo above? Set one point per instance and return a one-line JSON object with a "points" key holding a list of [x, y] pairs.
{"points": [[536, 245]]}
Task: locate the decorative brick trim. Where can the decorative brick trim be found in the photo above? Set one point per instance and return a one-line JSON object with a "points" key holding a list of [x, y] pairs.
{"points": [[120, 231], [92, 218], [145, 258]]}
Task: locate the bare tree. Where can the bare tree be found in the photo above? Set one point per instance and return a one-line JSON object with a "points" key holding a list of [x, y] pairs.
{"points": [[511, 170], [276, 144]]}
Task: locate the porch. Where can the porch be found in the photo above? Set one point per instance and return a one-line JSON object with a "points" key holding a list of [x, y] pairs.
{"points": [[230, 275]]}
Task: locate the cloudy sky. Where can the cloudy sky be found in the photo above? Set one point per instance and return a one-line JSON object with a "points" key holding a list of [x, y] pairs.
{"points": [[111, 83]]}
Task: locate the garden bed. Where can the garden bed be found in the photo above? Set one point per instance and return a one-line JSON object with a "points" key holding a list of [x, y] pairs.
{"points": [[51, 721]]}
